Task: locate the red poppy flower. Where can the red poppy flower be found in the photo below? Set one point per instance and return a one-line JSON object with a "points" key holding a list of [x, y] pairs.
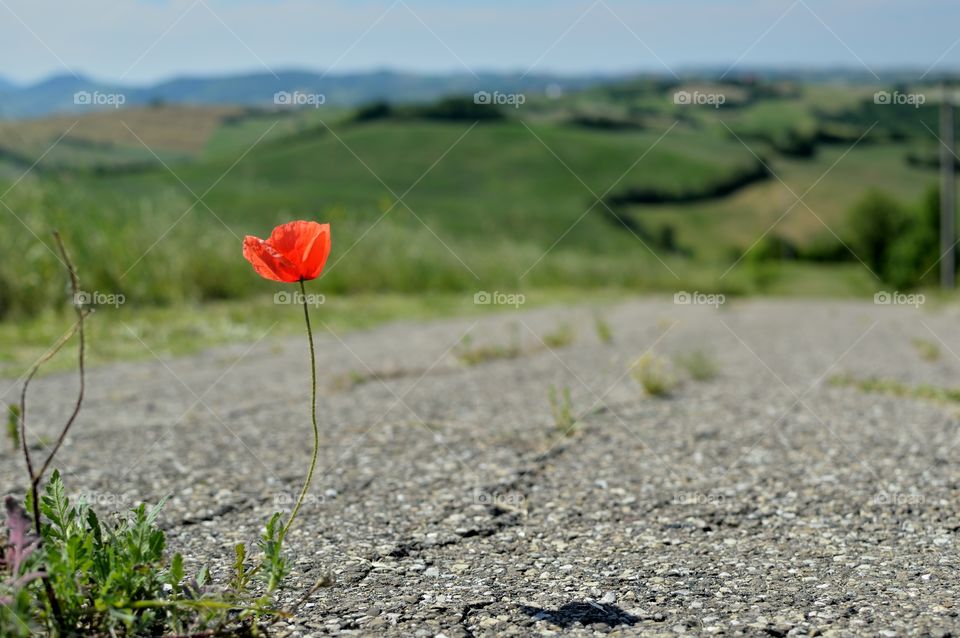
{"points": [[295, 251]]}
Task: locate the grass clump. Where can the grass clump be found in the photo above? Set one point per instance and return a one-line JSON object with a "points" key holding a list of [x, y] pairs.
{"points": [[564, 335], [603, 330], [699, 364], [471, 355], [350, 380], [561, 407], [892, 387], [354, 378], [654, 375], [927, 350]]}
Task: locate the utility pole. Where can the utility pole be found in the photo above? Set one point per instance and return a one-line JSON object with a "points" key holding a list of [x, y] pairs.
{"points": [[947, 193]]}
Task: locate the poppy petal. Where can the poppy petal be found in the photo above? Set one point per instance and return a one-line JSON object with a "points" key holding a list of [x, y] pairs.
{"points": [[267, 262], [305, 244]]}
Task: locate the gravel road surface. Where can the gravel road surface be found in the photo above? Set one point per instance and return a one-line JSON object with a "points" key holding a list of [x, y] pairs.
{"points": [[764, 501]]}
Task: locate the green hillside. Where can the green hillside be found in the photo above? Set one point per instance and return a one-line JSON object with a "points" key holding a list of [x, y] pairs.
{"points": [[481, 212], [618, 186]]}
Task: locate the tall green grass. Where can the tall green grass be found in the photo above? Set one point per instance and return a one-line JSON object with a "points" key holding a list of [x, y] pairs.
{"points": [[486, 216]]}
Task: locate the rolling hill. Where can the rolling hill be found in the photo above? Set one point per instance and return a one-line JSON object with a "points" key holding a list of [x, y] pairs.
{"points": [[56, 94], [612, 186], [486, 203]]}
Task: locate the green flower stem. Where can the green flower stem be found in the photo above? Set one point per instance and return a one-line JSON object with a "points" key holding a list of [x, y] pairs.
{"points": [[313, 417]]}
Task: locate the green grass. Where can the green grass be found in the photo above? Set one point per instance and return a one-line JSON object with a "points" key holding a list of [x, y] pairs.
{"points": [[892, 387], [563, 336], [927, 350], [774, 120], [602, 327], [654, 375], [12, 425], [712, 228], [699, 364], [506, 205], [463, 227], [474, 355], [561, 409], [238, 135], [140, 333]]}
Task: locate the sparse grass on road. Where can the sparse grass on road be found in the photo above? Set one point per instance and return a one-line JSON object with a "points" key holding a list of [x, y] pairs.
{"points": [[133, 333]]}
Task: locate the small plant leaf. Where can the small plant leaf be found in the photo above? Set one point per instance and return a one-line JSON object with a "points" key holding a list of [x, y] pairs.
{"points": [[13, 424], [175, 575]]}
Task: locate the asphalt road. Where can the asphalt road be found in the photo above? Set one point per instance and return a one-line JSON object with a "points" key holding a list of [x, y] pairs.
{"points": [[764, 501]]}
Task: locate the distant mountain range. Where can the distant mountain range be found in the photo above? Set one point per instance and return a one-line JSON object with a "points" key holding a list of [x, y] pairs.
{"points": [[70, 94]]}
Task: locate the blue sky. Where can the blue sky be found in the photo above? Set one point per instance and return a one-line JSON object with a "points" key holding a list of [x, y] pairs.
{"points": [[141, 41]]}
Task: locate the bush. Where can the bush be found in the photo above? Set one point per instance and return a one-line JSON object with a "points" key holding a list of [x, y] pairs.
{"points": [[901, 246], [914, 254], [372, 112], [825, 248], [774, 248], [876, 222], [458, 109]]}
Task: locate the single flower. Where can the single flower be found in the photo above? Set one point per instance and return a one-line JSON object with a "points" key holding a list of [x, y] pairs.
{"points": [[295, 251]]}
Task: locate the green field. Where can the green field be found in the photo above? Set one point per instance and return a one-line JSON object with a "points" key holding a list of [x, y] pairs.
{"points": [[489, 210], [613, 188]]}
